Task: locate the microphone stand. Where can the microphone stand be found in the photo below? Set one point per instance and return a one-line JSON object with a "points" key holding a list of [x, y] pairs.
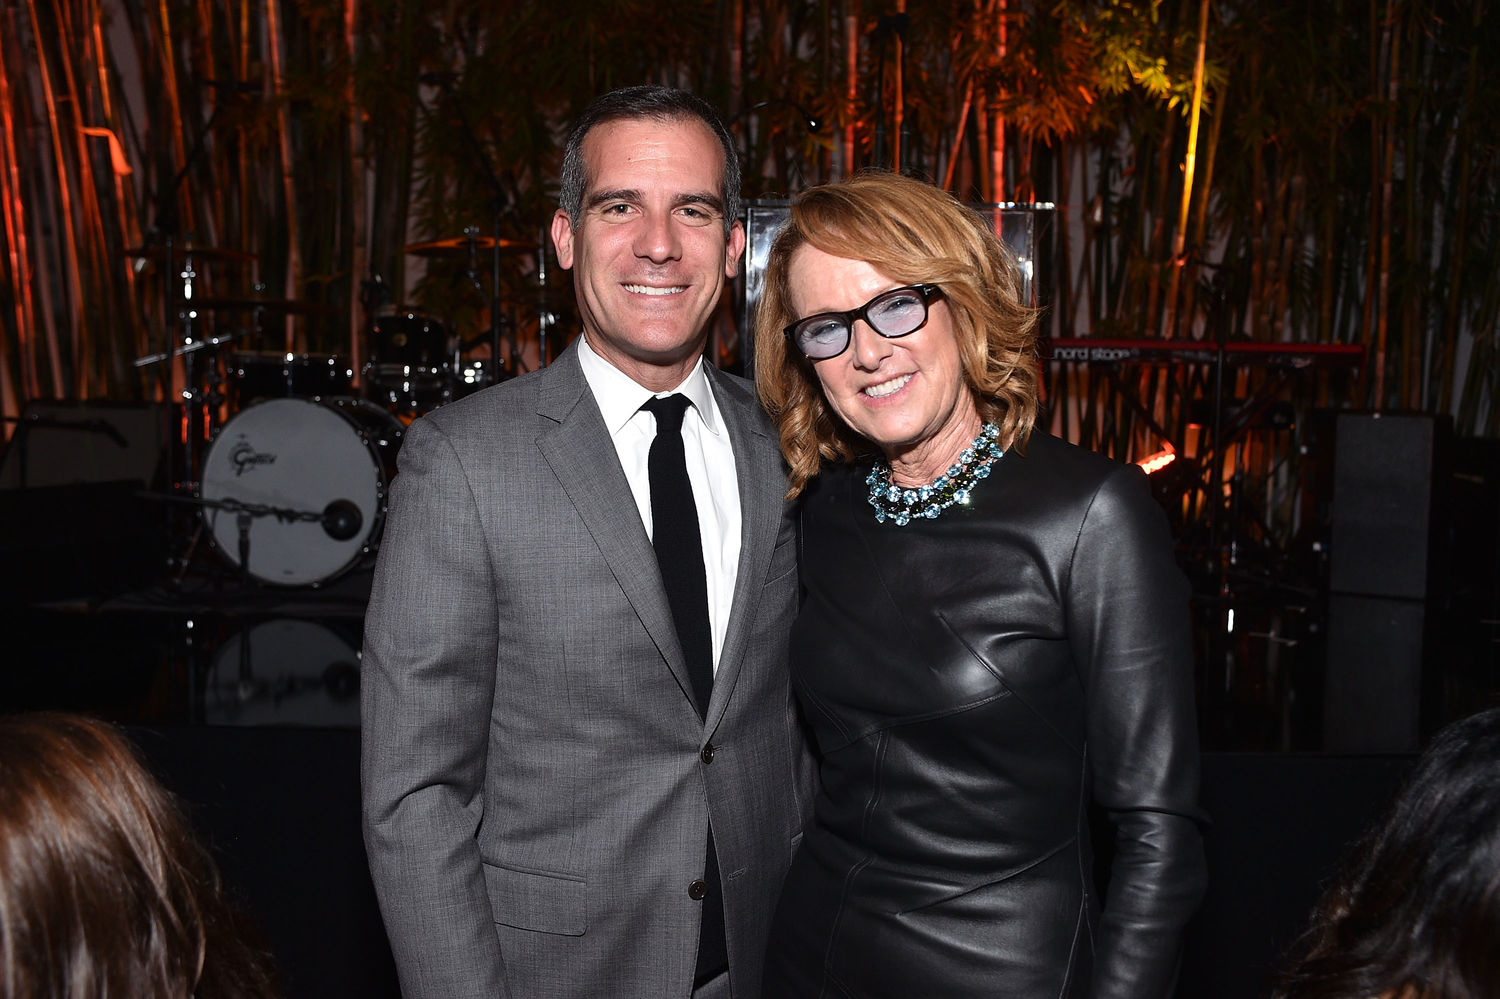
{"points": [[500, 205], [181, 460], [165, 229]]}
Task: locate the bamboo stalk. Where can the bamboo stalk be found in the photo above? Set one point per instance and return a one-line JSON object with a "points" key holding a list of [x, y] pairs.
{"points": [[1452, 309], [958, 133], [166, 50], [128, 231], [851, 88], [1157, 245], [13, 205], [1257, 204], [1200, 217], [1387, 192], [91, 352], [360, 255], [1412, 380], [68, 265], [275, 43], [997, 127], [898, 116], [1189, 164]]}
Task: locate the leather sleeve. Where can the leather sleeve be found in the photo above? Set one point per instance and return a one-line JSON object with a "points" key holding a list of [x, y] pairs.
{"points": [[1129, 626], [426, 693]]}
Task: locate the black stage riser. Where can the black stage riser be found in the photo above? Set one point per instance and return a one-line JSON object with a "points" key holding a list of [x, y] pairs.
{"points": [[280, 807]]}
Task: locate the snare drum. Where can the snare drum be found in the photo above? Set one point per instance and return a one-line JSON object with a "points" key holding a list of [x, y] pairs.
{"points": [[271, 375], [313, 475], [409, 365]]}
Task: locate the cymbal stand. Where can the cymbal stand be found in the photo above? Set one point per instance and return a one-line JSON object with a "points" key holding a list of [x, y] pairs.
{"points": [[512, 362], [544, 316], [181, 461], [491, 294], [192, 395], [501, 204]]}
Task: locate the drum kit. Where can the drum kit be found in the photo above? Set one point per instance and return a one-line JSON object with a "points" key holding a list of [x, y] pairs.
{"points": [[296, 451]]}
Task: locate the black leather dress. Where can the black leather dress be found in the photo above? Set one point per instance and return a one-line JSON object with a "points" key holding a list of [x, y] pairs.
{"points": [[973, 681]]}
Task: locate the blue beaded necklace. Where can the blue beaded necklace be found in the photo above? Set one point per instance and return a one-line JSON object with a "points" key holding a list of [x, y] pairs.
{"points": [[899, 504]]}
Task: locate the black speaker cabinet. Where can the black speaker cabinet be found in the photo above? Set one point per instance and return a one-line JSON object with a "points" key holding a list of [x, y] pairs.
{"points": [[65, 443], [1389, 500], [1388, 579], [1378, 690]]}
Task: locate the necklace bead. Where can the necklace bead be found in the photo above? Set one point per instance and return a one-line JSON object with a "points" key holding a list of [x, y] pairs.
{"points": [[900, 505]]}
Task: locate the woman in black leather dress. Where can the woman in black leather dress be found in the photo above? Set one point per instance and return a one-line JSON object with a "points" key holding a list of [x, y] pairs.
{"points": [[994, 633]]}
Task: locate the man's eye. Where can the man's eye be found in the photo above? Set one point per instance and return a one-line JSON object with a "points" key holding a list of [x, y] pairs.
{"points": [[695, 216], [615, 212]]}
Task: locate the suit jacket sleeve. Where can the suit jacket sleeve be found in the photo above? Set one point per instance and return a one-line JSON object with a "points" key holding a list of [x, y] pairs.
{"points": [[1130, 630], [426, 691]]}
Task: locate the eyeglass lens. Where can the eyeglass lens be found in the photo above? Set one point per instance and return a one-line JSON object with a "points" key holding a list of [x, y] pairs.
{"points": [[893, 313]]}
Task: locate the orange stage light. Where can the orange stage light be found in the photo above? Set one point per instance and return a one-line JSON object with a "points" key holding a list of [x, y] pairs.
{"points": [[1158, 461]]}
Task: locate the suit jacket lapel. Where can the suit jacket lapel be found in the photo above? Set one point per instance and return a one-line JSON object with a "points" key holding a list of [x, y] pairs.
{"points": [[762, 486], [575, 444]]}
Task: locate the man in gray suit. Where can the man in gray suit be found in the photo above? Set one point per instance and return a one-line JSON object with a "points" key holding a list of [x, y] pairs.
{"points": [[551, 807]]}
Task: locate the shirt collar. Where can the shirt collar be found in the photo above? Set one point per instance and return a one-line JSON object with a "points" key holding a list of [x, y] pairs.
{"points": [[620, 397]]}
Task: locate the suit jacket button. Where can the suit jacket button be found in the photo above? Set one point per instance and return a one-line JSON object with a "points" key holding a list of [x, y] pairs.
{"points": [[698, 890], [707, 756]]}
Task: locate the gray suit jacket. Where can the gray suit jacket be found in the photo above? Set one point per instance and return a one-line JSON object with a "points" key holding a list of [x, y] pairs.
{"points": [[536, 790]]}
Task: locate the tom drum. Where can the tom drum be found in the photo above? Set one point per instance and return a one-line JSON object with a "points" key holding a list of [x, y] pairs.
{"points": [[254, 376], [409, 366]]}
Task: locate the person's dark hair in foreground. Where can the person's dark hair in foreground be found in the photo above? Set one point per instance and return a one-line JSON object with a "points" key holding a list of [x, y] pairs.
{"points": [[1415, 914], [104, 889]]}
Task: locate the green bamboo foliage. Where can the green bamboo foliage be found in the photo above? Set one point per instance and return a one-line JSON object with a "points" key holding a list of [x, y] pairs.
{"points": [[1344, 189]]}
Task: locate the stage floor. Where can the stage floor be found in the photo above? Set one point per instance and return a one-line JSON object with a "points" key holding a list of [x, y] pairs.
{"points": [[203, 649], [245, 697]]}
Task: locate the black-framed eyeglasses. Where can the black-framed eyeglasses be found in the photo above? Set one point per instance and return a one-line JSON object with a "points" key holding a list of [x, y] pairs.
{"points": [[892, 314]]}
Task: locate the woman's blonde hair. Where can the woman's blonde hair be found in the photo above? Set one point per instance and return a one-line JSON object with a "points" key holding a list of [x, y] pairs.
{"points": [[911, 232]]}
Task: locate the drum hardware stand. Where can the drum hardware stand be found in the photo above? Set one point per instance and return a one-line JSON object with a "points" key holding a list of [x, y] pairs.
{"points": [[181, 459], [341, 519], [165, 230], [501, 205], [544, 316]]}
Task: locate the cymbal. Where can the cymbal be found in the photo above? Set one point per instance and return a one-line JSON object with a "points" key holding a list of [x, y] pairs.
{"points": [[186, 250], [264, 304], [456, 245]]}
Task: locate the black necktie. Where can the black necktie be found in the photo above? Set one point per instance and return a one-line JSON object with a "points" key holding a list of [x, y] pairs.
{"points": [[679, 555], [679, 548]]}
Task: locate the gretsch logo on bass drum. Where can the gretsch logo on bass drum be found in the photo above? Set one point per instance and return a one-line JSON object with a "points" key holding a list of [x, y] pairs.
{"points": [[244, 457]]}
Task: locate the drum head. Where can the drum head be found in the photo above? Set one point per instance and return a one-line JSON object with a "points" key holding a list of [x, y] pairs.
{"points": [[283, 458]]}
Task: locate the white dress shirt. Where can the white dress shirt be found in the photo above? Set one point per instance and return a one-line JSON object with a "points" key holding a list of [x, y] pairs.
{"points": [[710, 468]]}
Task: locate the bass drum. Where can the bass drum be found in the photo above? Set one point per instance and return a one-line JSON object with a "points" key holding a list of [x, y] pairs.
{"points": [[284, 672], [309, 479]]}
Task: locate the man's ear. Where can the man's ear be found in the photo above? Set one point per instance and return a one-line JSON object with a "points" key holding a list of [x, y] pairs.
{"points": [[735, 248], [562, 238]]}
